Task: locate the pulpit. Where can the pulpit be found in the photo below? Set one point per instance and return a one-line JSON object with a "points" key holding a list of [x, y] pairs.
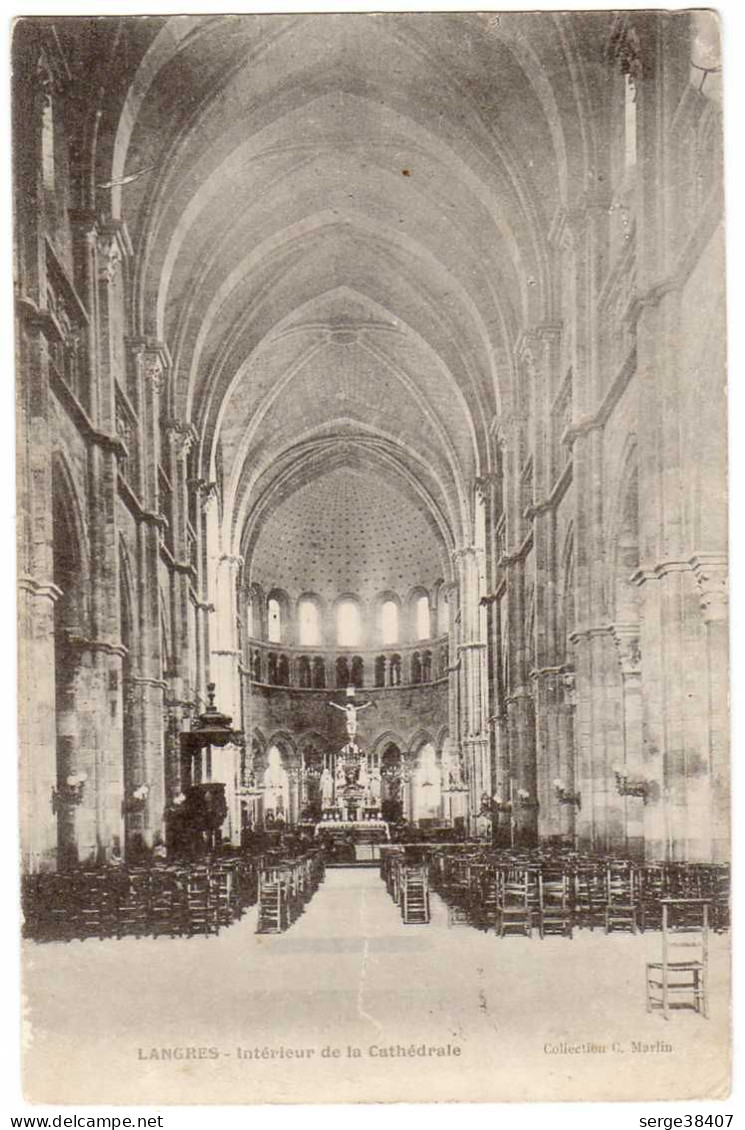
{"points": [[200, 818], [195, 826]]}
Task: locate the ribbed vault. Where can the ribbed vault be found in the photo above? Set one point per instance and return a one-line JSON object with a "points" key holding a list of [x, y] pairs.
{"points": [[340, 234]]}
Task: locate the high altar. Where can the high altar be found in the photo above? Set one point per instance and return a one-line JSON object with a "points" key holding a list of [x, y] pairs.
{"points": [[350, 780]]}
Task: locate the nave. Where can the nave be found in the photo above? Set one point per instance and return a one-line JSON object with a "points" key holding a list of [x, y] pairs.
{"points": [[371, 493], [172, 1014]]}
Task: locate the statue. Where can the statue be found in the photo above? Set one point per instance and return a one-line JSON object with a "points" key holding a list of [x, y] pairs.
{"points": [[375, 784], [351, 720], [327, 788]]}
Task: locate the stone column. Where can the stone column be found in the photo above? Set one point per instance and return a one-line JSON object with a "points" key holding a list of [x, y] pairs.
{"points": [[519, 703], [711, 574], [225, 653], [451, 591], [101, 654], [37, 596], [37, 769], [598, 738], [87, 697], [225, 669], [144, 754], [488, 488], [185, 679], [567, 760], [626, 638], [474, 711]]}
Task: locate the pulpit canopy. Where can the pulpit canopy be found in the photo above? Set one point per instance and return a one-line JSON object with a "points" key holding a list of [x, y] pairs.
{"points": [[212, 728]]}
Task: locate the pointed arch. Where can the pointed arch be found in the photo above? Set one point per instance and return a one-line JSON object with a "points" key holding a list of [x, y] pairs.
{"points": [[388, 737], [419, 739]]}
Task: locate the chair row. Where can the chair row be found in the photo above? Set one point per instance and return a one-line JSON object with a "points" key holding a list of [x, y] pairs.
{"points": [[557, 897], [408, 886], [117, 902], [285, 888]]}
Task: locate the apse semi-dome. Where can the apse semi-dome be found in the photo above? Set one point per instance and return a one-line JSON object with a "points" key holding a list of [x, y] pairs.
{"points": [[343, 533]]}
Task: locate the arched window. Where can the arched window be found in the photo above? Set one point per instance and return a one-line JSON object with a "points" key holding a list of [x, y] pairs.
{"points": [[319, 672], [389, 622], [342, 672], [358, 671], [394, 671], [427, 667], [427, 785], [283, 671], [309, 623], [276, 787], [257, 666], [348, 624], [380, 671], [273, 669], [47, 144], [421, 618], [274, 621], [304, 671], [416, 668]]}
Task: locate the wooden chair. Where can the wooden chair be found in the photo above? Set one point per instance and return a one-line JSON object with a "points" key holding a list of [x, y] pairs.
{"points": [[621, 898], [273, 916], [652, 890], [95, 911], [224, 895], [201, 903], [513, 903], [414, 895], [680, 981], [720, 910], [556, 914], [168, 902], [132, 903], [590, 896]]}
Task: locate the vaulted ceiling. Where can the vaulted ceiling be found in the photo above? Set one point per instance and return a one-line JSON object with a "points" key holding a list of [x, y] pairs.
{"points": [[346, 531], [341, 229]]}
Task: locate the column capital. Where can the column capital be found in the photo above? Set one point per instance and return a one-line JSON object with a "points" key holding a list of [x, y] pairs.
{"points": [[113, 244], [485, 485], [205, 490], [626, 639], [569, 686], [467, 552], [157, 360], [234, 560], [711, 574], [181, 435]]}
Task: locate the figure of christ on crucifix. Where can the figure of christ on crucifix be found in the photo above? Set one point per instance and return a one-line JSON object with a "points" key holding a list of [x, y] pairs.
{"points": [[351, 712]]}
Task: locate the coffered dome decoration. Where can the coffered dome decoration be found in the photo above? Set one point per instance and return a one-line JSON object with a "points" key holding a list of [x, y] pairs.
{"points": [[345, 533]]}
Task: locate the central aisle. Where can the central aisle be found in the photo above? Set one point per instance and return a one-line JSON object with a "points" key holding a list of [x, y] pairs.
{"points": [[348, 974]]}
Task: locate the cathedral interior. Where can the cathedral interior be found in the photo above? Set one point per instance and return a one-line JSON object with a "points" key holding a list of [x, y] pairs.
{"points": [[371, 458]]}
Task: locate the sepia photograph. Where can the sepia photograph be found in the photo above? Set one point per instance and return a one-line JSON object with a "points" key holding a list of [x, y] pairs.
{"points": [[371, 473]]}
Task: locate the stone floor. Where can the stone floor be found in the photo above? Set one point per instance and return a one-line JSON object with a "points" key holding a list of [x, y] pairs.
{"points": [[225, 1019]]}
